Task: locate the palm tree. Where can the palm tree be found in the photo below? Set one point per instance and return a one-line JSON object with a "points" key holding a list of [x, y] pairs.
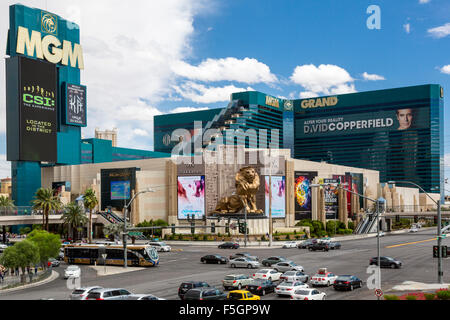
{"points": [[46, 201], [6, 204], [90, 202], [113, 229], [74, 217]]}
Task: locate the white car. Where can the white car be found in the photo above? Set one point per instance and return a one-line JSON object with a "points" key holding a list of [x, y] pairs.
{"points": [[323, 278], [267, 274], [289, 244], [82, 293], [288, 287], [308, 294], [382, 234], [72, 272], [160, 246], [414, 230]]}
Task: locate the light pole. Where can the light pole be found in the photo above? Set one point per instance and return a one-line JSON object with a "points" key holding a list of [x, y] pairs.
{"points": [[125, 257], [439, 223]]}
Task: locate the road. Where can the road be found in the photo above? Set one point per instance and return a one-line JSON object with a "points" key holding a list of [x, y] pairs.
{"points": [[413, 249]]}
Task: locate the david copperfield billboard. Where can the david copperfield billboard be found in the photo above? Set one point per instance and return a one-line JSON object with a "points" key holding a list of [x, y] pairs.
{"points": [[32, 107]]}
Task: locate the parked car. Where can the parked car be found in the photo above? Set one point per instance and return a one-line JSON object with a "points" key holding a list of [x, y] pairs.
{"points": [[287, 287], [82, 293], [323, 278], [319, 246], [267, 274], [308, 294], [242, 295], [294, 276], [287, 266], [108, 294], [141, 297], [334, 245], [214, 258], [261, 287], [188, 285], [54, 262], [325, 240], [289, 244], [413, 230], [244, 263], [233, 281], [386, 262], [347, 282], [306, 243], [272, 260], [204, 294], [72, 272], [243, 255], [160, 246], [229, 245]]}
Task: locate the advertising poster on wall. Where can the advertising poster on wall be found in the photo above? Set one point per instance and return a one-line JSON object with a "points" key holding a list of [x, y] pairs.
{"points": [[331, 201], [346, 183], [191, 197], [117, 187], [302, 194], [278, 196], [75, 110], [358, 185], [38, 111], [120, 190]]}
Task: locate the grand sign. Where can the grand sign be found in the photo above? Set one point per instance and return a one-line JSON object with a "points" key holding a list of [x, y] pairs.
{"points": [[320, 102]]}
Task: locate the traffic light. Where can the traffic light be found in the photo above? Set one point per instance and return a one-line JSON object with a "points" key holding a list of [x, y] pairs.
{"points": [[416, 219], [192, 227], [242, 227], [173, 228], [213, 228], [204, 218], [397, 218], [435, 252], [444, 251]]}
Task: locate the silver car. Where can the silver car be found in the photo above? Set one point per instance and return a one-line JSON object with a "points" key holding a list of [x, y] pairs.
{"points": [[284, 266], [108, 294], [141, 297], [82, 293], [294, 276], [244, 263]]}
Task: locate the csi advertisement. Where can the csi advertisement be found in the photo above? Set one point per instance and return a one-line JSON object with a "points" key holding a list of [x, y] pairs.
{"points": [[392, 120], [117, 186], [278, 196], [191, 197], [302, 183], [331, 201], [38, 111], [120, 190], [75, 105]]}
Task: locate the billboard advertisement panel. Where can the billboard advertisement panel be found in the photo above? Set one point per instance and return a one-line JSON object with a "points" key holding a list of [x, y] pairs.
{"points": [[331, 200], [120, 190], [191, 197], [302, 193], [75, 105], [37, 111], [358, 185], [117, 186], [278, 196], [346, 183]]}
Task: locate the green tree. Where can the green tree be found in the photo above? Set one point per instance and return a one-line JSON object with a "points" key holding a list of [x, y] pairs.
{"points": [[6, 204], [151, 223], [331, 228], [48, 244], [113, 229], [23, 254], [46, 201], [74, 218], [90, 202]]}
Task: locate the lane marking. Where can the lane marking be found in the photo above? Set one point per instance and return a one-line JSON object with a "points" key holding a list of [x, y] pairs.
{"points": [[409, 243]]}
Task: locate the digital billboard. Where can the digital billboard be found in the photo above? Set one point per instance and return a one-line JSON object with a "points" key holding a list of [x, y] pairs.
{"points": [[302, 193], [191, 197], [331, 201], [278, 196], [120, 190], [75, 105]]}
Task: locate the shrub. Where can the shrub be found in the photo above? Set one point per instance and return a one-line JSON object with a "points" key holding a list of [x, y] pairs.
{"points": [[430, 296], [277, 238], [288, 237], [391, 297], [351, 225], [443, 294], [297, 237], [263, 238], [411, 297], [348, 231], [341, 231]]}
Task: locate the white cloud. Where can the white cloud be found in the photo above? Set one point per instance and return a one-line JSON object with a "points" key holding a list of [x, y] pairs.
{"points": [[424, 1], [407, 27], [229, 69], [140, 132], [5, 167], [203, 94], [372, 77], [445, 69], [325, 79], [440, 32], [187, 109], [307, 95]]}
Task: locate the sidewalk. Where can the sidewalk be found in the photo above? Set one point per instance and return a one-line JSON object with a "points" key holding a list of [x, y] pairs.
{"points": [[53, 276], [419, 286]]}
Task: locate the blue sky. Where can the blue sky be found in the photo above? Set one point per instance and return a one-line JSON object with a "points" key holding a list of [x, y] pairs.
{"points": [[189, 55]]}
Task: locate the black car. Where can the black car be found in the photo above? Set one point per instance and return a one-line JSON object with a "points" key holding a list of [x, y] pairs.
{"points": [[186, 286], [204, 294], [229, 245], [387, 262], [347, 283], [334, 245], [243, 255], [214, 258], [321, 246], [272, 260], [305, 244], [261, 287]]}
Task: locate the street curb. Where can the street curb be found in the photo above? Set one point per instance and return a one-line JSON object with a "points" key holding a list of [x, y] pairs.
{"points": [[54, 276]]}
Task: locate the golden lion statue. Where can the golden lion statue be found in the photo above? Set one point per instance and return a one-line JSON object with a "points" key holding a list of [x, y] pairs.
{"points": [[247, 185]]}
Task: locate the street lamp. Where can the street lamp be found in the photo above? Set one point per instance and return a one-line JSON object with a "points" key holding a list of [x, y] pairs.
{"points": [[439, 223], [125, 257]]}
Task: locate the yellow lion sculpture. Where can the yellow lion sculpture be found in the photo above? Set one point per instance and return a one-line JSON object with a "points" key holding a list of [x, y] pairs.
{"points": [[247, 185]]}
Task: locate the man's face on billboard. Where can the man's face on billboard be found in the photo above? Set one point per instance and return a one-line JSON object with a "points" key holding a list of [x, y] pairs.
{"points": [[404, 117]]}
